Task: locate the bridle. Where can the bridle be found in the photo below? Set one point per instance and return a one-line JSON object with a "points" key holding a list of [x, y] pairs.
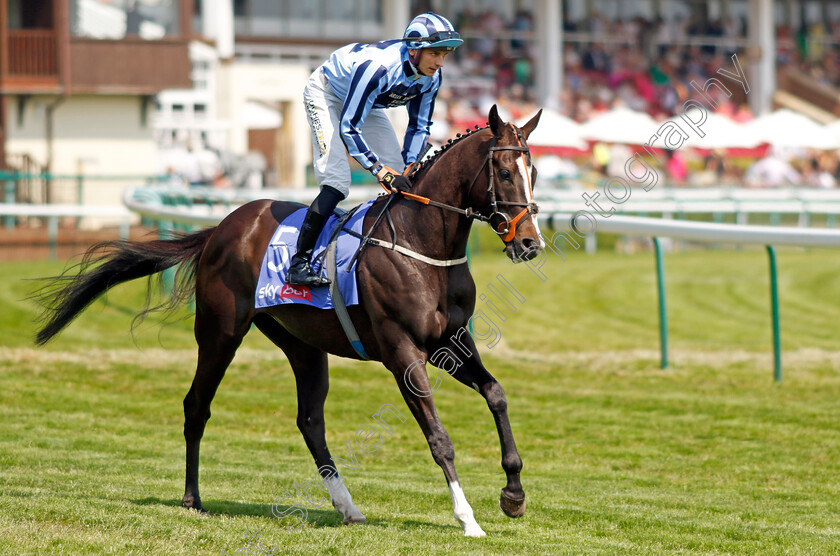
{"points": [[500, 222]]}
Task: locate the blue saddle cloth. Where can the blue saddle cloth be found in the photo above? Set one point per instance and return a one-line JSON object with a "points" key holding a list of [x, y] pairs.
{"points": [[272, 288]]}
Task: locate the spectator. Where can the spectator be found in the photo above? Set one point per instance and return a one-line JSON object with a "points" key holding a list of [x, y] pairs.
{"points": [[675, 168], [817, 176], [189, 167], [521, 24], [771, 171], [601, 158]]}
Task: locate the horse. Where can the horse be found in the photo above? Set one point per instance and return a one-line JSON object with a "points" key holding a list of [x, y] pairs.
{"points": [[408, 309]]}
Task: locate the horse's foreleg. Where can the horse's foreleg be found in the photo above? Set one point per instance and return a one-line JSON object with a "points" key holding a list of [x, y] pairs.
{"points": [[473, 374], [409, 368], [312, 379], [218, 334]]}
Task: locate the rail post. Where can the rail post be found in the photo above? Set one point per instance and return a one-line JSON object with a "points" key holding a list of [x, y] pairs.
{"points": [[125, 228], [663, 312], [165, 231], [80, 197], [774, 312], [52, 236], [10, 200]]}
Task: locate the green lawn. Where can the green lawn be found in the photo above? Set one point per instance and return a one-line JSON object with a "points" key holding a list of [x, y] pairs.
{"points": [[709, 456]]}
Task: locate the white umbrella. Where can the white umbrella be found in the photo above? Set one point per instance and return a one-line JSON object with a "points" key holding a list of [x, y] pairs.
{"points": [[786, 128], [719, 131], [834, 128], [555, 130], [553, 167], [620, 125]]}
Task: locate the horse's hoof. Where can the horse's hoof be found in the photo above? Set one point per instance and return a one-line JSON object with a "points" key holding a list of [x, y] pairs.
{"points": [[475, 531], [193, 504], [354, 520], [512, 507], [199, 509]]}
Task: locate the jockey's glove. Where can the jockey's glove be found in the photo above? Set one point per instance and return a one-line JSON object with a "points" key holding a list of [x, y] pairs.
{"points": [[393, 180]]}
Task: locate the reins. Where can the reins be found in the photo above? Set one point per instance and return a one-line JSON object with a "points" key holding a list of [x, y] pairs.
{"points": [[468, 212], [499, 221]]}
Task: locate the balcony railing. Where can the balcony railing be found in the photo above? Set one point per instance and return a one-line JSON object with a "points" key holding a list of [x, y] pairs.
{"points": [[32, 53]]}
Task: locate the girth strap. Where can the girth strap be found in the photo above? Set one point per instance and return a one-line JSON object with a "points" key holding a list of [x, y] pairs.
{"points": [[335, 292]]}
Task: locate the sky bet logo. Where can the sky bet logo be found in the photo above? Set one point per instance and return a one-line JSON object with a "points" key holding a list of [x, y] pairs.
{"points": [[285, 291]]}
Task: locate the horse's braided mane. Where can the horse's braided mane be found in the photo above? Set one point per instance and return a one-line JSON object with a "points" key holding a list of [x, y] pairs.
{"points": [[426, 164]]}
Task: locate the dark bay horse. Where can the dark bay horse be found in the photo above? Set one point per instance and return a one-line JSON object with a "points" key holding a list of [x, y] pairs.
{"points": [[408, 309]]}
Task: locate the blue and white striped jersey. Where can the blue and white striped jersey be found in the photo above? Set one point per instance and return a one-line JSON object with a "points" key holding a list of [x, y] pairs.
{"points": [[380, 75]]}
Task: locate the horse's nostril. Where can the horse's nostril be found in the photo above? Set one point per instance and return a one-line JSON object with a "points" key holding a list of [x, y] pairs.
{"points": [[530, 243]]}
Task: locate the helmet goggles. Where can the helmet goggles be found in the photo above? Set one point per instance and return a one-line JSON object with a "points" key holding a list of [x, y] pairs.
{"points": [[443, 40]]}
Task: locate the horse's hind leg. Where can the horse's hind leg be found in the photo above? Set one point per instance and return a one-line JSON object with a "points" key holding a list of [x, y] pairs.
{"points": [[219, 330], [312, 379]]}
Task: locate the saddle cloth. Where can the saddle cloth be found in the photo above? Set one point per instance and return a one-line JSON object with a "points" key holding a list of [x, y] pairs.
{"points": [[272, 288]]}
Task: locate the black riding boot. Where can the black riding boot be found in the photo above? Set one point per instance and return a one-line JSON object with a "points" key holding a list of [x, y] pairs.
{"points": [[300, 272]]}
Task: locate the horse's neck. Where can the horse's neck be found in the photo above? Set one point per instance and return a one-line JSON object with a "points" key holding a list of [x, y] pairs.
{"points": [[444, 231], [449, 179], [444, 185]]}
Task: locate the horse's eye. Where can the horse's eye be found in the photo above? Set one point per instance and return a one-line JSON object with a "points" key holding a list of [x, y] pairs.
{"points": [[504, 174]]}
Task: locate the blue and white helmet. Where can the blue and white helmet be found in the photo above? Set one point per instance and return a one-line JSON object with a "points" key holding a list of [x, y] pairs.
{"points": [[430, 30]]}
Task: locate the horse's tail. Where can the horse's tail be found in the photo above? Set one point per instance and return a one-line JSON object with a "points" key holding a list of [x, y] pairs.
{"points": [[109, 263]]}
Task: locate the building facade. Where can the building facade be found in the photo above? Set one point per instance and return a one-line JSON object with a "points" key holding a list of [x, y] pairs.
{"points": [[77, 85]]}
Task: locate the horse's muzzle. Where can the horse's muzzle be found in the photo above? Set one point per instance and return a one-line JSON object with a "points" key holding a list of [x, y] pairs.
{"points": [[523, 249]]}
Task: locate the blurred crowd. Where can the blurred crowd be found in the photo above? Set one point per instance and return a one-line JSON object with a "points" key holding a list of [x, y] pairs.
{"points": [[642, 64], [768, 168], [648, 64], [645, 65]]}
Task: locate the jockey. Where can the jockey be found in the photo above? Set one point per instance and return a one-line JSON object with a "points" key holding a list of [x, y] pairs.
{"points": [[342, 99]]}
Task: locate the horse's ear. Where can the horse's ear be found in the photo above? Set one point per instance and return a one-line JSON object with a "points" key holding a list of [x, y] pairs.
{"points": [[495, 121], [532, 123]]}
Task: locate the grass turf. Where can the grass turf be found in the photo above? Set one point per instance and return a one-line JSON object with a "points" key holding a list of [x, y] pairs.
{"points": [[709, 456]]}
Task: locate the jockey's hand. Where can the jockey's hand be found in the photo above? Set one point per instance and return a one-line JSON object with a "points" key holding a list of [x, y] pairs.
{"points": [[392, 180]]}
